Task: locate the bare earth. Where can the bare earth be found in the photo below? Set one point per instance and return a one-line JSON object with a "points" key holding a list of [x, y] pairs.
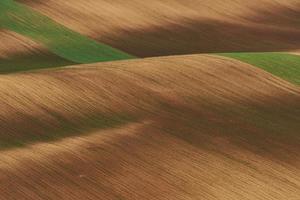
{"points": [[12, 44], [168, 27], [199, 127]]}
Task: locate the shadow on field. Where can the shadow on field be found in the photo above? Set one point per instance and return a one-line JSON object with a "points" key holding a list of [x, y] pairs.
{"points": [[282, 17], [31, 61], [270, 30], [268, 128]]}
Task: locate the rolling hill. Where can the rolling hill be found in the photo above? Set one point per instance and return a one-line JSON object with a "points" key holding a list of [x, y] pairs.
{"points": [[234, 28], [209, 108], [173, 27], [13, 44], [58, 39], [283, 65], [18, 53], [179, 127]]}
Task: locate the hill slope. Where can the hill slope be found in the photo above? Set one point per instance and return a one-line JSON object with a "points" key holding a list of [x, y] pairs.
{"points": [[18, 53], [283, 65], [58, 39], [233, 26], [184, 127], [12, 44], [175, 27]]}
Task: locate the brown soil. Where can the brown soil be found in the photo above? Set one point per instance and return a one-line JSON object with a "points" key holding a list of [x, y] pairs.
{"points": [[12, 44], [295, 53], [201, 127], [181, 27]]}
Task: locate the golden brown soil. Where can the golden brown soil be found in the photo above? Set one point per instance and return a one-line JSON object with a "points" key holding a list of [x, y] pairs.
{"points": [[12, 44], [198, 127], [296, 52], [167, 27]]}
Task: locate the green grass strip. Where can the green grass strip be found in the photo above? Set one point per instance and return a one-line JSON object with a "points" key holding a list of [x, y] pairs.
{"points": [[57, 38], [283, 65]]}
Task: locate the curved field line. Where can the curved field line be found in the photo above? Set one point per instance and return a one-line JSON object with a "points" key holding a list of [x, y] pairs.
{"points": [[283, 65], [57, 38], [19, 53], [199, 127]]}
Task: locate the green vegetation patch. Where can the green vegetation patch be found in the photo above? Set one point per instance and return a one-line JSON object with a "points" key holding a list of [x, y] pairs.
{"points": [[283, 65], [57, 38]]}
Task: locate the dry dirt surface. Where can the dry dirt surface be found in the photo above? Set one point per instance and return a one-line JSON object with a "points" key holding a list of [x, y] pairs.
{"points": [[168, 27], [196, 127], [296, 53], [13, 44]]}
